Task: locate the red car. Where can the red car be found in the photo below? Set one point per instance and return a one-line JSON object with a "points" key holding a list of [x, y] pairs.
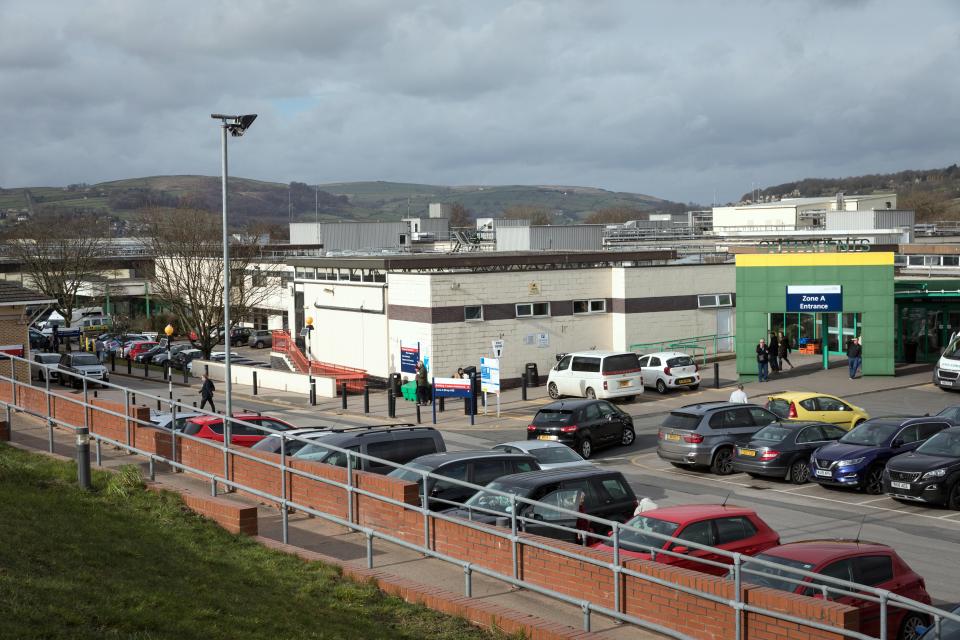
{"points": [[727, 527], [872, 564], [140, 347], [211, 428]]}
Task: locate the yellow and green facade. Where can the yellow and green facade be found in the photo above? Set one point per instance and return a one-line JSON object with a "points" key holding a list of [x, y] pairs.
{"points": [[868, 308]]}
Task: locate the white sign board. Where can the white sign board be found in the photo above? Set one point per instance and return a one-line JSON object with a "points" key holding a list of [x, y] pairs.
{"points": [[490, 375], [543, 340], [497, 348]]}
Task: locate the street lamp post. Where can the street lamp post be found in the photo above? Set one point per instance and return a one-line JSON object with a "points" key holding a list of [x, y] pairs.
{"points": [[235, 125]]}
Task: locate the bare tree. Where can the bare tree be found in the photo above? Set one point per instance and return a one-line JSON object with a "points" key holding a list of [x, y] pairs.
{"points": [[59, 254], [188, 272], [460, 216], [535, 214]]}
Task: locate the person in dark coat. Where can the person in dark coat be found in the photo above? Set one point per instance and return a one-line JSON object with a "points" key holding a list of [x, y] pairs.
{"points": [[763, 361], [423, 384], [206, 393], [854, 356], [774, 350], [784, 351]]}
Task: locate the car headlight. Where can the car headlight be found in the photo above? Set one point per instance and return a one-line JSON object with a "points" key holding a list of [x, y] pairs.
{"points": [[936, 473], [851, 462]]}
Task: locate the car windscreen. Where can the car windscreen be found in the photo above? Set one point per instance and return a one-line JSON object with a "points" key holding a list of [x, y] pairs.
{"points": [[680, 361], [487, 502], [870, 433], [554, 455], [779, 407], [635, 534], [772, 577], [553, 417], [411, 473], [624, 363], [952, 350], [679, 420], [945, 443], [84, 359], [48, 358], [772, 433]]}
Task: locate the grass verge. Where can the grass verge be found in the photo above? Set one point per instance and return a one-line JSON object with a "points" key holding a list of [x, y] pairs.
{"points": [[121, 562]]}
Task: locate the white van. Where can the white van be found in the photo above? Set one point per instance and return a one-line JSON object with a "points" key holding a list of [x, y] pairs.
{"points": [[596, 374], [947, 371]]}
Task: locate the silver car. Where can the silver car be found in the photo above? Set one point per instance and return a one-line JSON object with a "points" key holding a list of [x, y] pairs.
{"points": [[81, 363], [549, 455]]}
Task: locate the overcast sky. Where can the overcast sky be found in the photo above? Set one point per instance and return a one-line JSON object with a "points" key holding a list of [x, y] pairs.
{"points": [[677, 99]]}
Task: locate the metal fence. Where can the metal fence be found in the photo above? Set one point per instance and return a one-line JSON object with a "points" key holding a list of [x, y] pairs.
{"points": [[696, 346], [515, 519]]}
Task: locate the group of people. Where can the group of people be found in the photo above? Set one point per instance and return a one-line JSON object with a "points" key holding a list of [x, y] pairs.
{"points": [[771, 356]]}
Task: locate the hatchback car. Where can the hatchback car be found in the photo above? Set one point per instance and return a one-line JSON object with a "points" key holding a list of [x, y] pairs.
{"points": [[583, 425], [46, 365], [929, 474], [705, 434], [139, 348], [867, 563], [733, 529], [260, 339], [596, 374], [398, 444], [669, 370], [857, 460], [289, 444], [211, 428], [816, 406], [782, 450], [549, 455]]}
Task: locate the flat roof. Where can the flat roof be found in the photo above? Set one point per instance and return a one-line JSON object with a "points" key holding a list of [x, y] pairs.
{"points": [[483, 260], [12, 294]]}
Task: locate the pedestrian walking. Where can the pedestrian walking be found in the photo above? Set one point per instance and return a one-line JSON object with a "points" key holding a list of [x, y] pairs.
{"points": [[98, 347], [784, 351], [854, 356], [774, 350], [739, 396], [423, 384], [55, 339], [206, 393], [763, 361]]}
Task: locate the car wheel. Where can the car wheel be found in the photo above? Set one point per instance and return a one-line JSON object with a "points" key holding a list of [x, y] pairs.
{"points": [[800, 472], [552, 390], [628, 437], [590, 393], [873, 481], [585, 448], [909, 627], [722, 464], [953, 499], [661, 386], [259, 345]]}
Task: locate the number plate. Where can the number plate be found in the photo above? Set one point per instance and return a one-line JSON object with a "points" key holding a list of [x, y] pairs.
{"points": [[824, 473], [673, 437], [547, 438], [900, 485], [625, 383], [750, 453], [684, 380]]}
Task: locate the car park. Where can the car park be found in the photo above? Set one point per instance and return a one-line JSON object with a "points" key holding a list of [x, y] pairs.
{"points": [[858, 458], [803, 405], [668, 370], [260, 339], [584, 425], [549, 455], [596, 374], [594, 491], [399, 444], [210, 427], [475, 467], [783, 449], [930, 474], [291, 441], [704, 435], [46, 365], [80, 363], [731, 528], [867, 563]]}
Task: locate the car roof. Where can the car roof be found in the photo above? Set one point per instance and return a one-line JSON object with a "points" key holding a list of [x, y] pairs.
{"points": [[598, 354], [526, 445], [798, 424], [685, 512], [704, 407], [901, 421], [800, 395], [535, 478], [816, 551], [207, 419], [666, 354], [347, 433], [573, 403], [436, 459]]}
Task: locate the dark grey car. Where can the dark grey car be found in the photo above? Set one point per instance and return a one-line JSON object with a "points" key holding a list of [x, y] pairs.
{"points": [[705, 434], [783, 450]]}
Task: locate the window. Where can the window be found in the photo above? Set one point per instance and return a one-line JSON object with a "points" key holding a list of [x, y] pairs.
{"points": [[811, 434], [915, 261], [622, 363], [564, 363], [731, 419], [832, 432], [589, 306], [712, 300], [809, 404], [582, 363], [762, 417], [614, 488], [654, 362], [734, 529], [546, 507], [473, 313], [840, 569], [607, 409], [533, 309], [872, 570], [698, 532], [831, 404], [520, 466], [486, 471], [951, 261], [930, 429], [591, 413], [643, 362], [456, 471], [909, 434]]}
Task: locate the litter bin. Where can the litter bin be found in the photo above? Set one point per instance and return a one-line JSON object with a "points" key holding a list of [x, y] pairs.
{"points": [[394, 382], [533, 378]]}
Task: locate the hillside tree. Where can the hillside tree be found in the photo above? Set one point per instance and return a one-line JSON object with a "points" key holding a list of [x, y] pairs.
{"points": [[536, 215], [460, 216]]}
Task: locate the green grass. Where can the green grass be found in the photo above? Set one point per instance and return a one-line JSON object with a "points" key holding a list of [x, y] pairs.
{"points": [[121, 562]]}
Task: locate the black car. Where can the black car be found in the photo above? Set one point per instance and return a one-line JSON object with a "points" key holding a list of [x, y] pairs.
{"points": [[931, 473], [596, 492], [584, 425], [238, 336], [951, 413], [38, 340], [147, 356], [398, 443], [476, 467], [782, 449]]}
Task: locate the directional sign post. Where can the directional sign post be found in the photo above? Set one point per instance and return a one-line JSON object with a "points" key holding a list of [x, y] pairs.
{"points": [[450, 388], [490, 380], [497, 348], [815, 298]]}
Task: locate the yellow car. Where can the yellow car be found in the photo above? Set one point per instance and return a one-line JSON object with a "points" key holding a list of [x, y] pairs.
{"points": [[803, 405]]}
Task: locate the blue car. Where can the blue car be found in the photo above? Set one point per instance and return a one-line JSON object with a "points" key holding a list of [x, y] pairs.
{"points": [[858, 458]]}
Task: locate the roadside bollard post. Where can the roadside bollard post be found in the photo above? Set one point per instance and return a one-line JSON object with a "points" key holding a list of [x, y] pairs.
{"points": [[313, 392], [366, 398], [391, 403], [186, 374], [441, 404], [83, 458], [419, 420], [343, 395], [523, 386], [113, 362], [716, 375], [254, 383], [129, 367]]}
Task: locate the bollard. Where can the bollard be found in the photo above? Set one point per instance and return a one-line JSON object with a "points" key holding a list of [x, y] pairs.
{"points": [[133, 398], [129, 367], [418, 413], [343, 395], [523, 386], [206, 370], [186, 374], [441, 404], [366, 398], [158, 404], [716, 375], [83, 458], [254, 382], [113, 361], [94, 393], [194, 404], [391, 403], [466, 406], [313, 392]]}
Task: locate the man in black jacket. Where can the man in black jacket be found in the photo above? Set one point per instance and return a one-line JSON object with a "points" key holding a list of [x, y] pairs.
{"points": [[206, 393], [854, 356]]}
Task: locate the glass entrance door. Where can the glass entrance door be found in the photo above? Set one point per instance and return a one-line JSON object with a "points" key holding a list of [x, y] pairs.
{"points": [[840, 328]]}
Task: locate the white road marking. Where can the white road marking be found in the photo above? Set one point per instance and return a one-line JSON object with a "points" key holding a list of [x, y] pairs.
{"points": [[874, 500], [809, 485]]}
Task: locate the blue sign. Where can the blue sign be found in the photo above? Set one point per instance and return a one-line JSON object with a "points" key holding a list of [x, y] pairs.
{"points": [[409, 357], [451, 387], [815, 298]]}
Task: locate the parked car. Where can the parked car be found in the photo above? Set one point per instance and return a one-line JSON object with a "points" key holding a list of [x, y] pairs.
{"points": [[149, 354], [584, 425], [139, 348], [165, 420], [868, 563], [929, 474], [46, 365], [38, 340], [783, 449], [727, 527], [549, 455], [160, 358], [597, 492], [239, 336], [211, 428], [951, 413], [475, 467], [949, 629], [705, 434], [669, 370], [220, 356], [946, 373], [80, 363], [182, 359], [130, 345], [260, 339], [399, 444], [596, 374], [857, 460], [272, 443], [821, 407]]}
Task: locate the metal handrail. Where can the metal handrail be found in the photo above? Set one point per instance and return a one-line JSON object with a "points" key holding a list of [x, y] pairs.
{"points": [[841, 587]]}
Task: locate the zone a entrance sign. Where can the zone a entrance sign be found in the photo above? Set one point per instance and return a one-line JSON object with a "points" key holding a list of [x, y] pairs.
{"points": [[826, 298]]}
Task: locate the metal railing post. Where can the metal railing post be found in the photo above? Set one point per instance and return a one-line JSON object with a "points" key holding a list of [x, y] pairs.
{"points": [[883, 614], [126, 412], [343, 396], [226, 450], [425, 510], [86, 405], [369, 550], [99, 455], [254, 383], [366, 398], [617, 606], [349, 487], [284, 516], [173, 433], [586, 615], [83, 458], [737, 615], [514, 551], [716, 375], [467, 580]]}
